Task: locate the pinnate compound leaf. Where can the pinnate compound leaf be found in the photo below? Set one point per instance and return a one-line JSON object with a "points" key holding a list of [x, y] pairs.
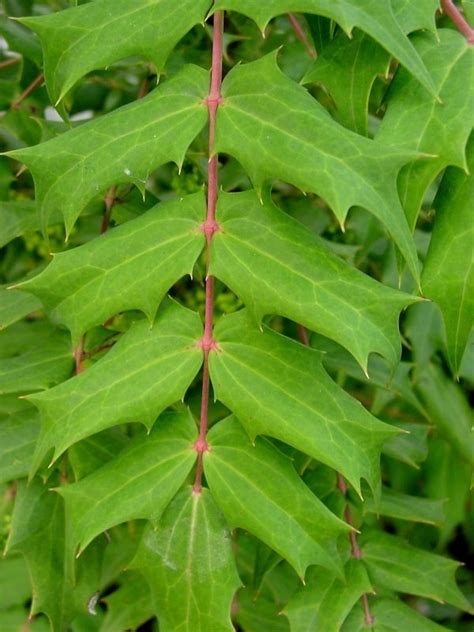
{"points": [[45, 363], [188, 561], [416, 121], [88, 37], [276, 266], [149, 369], [278, 387], [138, 484], [448, 271], [375, 17], [39, 533], [121, 147], [130, 267], [277, 130], [258, 490], [391, 615], [396, 565], [348, 67], [14, 306], [326, 600], [415, 16]]}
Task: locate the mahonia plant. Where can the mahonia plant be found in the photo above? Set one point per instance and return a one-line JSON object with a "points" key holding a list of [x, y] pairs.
{"points": [[208, 421]]}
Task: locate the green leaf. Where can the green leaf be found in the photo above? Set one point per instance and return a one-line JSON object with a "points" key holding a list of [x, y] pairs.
{"points": [[39, 367], [129, 606], [258, 614], [93, 452], [146, 371], [448, 271], [276, 129], [19, 428], [416, 121], [137, 484], [98, 34], [449, 479], [258, 490], [405, 507], [278, 387], [415, 16], [375, 17], [21, 40], [15, 587], [348, 67], [396, 565], [16, 218], [411, 446], [326, 600], [188, 562], [276, 266], [449, 409], [39, 533], [15, 305], [130, 267], [391, 615], [121, 147]]}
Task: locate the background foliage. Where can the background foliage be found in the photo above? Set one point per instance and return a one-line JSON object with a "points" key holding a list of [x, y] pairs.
{"points": [[345, 196]]}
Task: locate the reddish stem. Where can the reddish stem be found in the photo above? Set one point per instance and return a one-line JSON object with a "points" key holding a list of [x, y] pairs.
{"points": [[9, 62], [301, 35], [26, 93], [458, 19], [209, 228], [342, 486]]}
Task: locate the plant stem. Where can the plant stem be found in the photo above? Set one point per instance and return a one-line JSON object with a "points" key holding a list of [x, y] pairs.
{"points": [[342, 486], [209, 227], [458, 19], [26, 93], [301, 35], [9, 62]]}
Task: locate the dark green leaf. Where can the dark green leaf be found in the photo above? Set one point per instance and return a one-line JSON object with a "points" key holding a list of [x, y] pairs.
{"points": [[326, 600], [448, 272], [348, 69], [399, 566]]}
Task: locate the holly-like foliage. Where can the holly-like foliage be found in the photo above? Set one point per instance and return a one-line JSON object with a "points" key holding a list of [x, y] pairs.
{"points": [[236, 315]]}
